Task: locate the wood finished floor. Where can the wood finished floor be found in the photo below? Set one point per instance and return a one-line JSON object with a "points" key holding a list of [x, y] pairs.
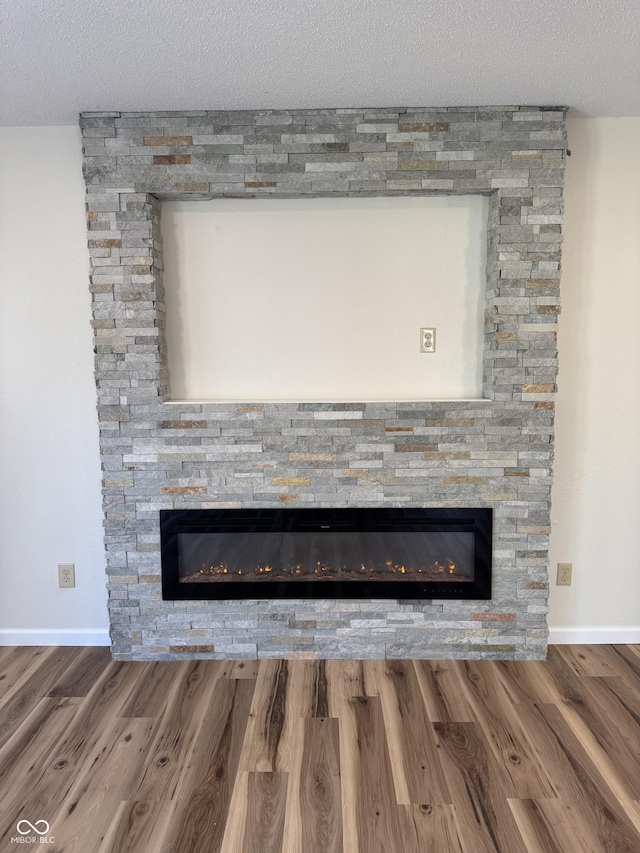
{"points": [[322, 757]]}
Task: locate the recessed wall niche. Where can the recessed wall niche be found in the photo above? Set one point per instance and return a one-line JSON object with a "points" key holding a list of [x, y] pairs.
{"points": [[324, 298]]}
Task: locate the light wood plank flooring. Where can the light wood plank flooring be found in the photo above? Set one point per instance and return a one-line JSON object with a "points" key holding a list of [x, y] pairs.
{"points": [[309, 756]]}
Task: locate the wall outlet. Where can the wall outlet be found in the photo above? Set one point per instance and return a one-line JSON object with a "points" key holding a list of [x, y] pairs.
{"points": [[66, 575], [565, 572], [427, 340]]}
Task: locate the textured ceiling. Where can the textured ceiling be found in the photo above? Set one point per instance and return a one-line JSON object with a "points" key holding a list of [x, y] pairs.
{"points": [[58, 57]]}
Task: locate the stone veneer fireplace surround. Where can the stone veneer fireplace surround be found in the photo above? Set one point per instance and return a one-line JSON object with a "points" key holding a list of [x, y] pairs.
{"points": [[495, 452]]}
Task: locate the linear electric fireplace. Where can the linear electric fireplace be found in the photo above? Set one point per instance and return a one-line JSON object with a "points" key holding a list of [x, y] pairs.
{"points": [[326, 553]]}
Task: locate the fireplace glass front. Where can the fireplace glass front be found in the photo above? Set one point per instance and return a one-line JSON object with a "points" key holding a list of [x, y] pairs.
{"points": [[326, 553]]}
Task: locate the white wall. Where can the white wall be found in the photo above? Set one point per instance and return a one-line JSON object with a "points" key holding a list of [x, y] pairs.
{"points": [[323, 299], [49, 465], [596, 493], [50, 508]]}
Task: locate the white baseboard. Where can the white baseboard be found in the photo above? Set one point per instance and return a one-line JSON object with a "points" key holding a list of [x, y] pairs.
{"points": [[74, 637], [558, 635], [594, 634]]}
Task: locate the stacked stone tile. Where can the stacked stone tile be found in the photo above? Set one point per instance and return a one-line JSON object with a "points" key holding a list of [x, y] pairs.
{"points": [[493, 452]]}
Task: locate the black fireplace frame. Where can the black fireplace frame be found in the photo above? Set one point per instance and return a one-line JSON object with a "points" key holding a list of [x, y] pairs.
{"points": [[478, 521]]}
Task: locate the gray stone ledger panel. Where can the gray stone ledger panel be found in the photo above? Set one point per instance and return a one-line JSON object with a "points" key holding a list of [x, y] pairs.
{"points": [[493, 452]]}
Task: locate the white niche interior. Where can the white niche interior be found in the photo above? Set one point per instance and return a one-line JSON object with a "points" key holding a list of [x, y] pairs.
{"points": [[323, 299]]}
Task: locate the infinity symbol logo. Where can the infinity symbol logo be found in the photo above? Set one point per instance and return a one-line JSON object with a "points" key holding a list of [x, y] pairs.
{"points": [[31, 827]]}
